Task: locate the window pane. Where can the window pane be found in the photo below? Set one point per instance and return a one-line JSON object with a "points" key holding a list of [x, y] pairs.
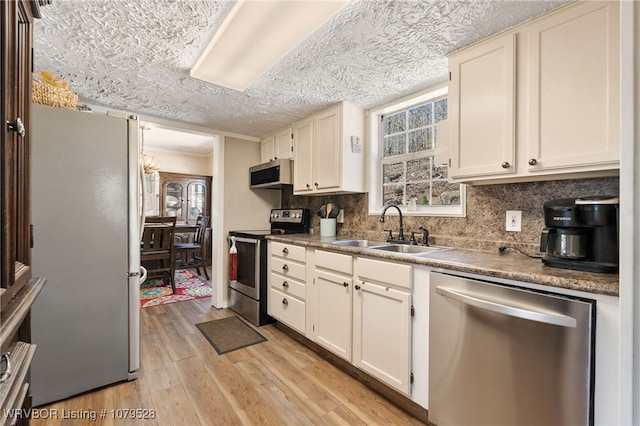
{"points": [[441, 109], [439, 171], [420, 116], [394, 145], [421, 140], [393, 173], [445, 193], [394, 123], [418, 170], [419, 191], [392, 194]]}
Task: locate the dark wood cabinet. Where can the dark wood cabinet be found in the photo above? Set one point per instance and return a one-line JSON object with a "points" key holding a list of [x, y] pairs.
{"points": [[18, 289], [185, 196]]}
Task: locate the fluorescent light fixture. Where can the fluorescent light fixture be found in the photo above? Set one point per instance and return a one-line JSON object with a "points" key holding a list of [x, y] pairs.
{"points": [[258, 33]]}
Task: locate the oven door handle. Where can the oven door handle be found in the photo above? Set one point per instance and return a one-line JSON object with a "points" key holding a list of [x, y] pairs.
{"points": [[244, 240], [514, 311]]}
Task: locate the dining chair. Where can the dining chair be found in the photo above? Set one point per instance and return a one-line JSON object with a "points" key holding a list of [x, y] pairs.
{"points": [[194, 254], [157, 249]]}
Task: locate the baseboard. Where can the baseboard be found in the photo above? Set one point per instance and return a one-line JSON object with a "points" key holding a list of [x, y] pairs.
{"points": [[387, 392]]}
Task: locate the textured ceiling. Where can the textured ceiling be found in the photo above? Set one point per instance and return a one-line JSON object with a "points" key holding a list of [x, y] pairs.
{"points": [[136, 55]]}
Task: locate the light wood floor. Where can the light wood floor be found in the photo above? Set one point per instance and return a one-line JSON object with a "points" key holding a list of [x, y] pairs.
{"points": [[185, 382]]}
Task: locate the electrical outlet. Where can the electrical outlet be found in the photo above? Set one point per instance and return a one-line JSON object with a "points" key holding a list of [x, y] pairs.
{"points": [[514, 220]]}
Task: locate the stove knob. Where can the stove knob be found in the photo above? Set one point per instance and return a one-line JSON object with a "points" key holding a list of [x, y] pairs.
{"points": [[275, 215]]}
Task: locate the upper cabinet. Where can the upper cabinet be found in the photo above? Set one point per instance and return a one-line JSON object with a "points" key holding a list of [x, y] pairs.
{"points": [[327, 152], [277, 146], [185, 196], [482, 108], [540, 101]]}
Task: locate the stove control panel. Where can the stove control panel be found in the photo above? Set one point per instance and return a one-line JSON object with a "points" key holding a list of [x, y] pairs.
{"points": [[289, 216]]}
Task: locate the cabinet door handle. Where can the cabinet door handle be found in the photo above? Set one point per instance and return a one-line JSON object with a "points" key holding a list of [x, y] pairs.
{"points": [[17, 126], [357, 287], [533, 162], [285, 284], [285, 267], [285, 250], [506, 165], [308, 186], [316, 184], [285, 302], [4, 376], [345, 284]]}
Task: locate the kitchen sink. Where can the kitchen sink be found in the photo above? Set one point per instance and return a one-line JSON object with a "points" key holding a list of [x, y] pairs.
{"points": [[408, 249], [359, 243]]}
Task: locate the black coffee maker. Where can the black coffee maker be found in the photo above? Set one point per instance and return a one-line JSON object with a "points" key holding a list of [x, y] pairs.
{"points": [[581, 234]]}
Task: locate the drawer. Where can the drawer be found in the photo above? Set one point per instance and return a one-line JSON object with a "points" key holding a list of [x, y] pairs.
{"points": [[334, 261], [288, 251], [383, 272], [288, 285], [287, 309], [288, 268]]}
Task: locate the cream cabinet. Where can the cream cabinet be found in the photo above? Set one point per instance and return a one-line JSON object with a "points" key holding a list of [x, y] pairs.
{"points": [[539, 101], [382, 321], [574, 67], [482, 109], [277, 146], [287, 284], [327, 152], [334, 288]]}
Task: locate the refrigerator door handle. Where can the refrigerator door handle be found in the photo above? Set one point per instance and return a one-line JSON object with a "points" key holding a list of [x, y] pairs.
{"points": [[143, 207]]}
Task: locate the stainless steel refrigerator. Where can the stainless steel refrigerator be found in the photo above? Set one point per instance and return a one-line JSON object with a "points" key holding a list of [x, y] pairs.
{"points": [[85, 191]]}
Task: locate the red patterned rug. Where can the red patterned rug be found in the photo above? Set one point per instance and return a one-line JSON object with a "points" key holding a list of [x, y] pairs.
{"points": [[188, 287]]}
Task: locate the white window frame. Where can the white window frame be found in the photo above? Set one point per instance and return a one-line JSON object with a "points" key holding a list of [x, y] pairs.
{"points": [[375, 156]]}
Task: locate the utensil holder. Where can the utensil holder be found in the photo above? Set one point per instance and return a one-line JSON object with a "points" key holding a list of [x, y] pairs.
{"points": [[328, 227]]}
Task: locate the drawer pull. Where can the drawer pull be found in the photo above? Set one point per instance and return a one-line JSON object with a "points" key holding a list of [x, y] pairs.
{"points": [[285, 267], [285, 284], [505, 165], [285, 250], [345, 284], [4, 376], [533, 162], [285, 302]]}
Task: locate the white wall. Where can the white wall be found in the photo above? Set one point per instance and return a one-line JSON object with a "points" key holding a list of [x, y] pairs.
{"points": [[235, 206], [176, 162]]}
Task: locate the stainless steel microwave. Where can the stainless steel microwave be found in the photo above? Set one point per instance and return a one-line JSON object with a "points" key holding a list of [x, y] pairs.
{"points": [[274, 174]]}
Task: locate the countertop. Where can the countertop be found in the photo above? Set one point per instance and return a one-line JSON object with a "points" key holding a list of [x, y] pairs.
{"points": [[511, 265]]}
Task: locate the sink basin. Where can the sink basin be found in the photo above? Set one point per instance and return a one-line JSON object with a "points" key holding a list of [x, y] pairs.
{"points": [[359, 243], [408, 249]]}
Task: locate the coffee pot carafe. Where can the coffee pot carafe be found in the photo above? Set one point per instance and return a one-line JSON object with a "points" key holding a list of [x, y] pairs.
{"points": [[581, 234]]}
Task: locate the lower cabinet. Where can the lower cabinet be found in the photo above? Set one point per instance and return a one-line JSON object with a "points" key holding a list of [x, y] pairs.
{"points": [[286, 301], [359, 309], [382, 333], [333, 302], [382, 321]]}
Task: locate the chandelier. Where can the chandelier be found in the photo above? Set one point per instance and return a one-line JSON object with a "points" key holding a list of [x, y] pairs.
{"points": [[149, 164]]}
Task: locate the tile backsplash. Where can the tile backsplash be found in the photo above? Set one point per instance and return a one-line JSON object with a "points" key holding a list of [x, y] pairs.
{"points": [[484, 226]]}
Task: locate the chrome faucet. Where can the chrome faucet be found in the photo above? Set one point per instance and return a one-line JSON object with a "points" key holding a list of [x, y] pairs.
{"points": [[401, 232]]}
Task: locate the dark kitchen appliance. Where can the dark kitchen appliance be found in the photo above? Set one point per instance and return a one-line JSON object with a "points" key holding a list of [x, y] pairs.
{"points": [[581, 234], [248, 294], [275, 174]]}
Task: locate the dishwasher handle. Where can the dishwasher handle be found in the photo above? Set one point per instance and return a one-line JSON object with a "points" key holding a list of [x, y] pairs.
{"points": [[501, 308]]}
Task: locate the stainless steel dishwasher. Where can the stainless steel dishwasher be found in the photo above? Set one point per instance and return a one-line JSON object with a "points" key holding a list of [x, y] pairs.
{"points": [[505, 355]]}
